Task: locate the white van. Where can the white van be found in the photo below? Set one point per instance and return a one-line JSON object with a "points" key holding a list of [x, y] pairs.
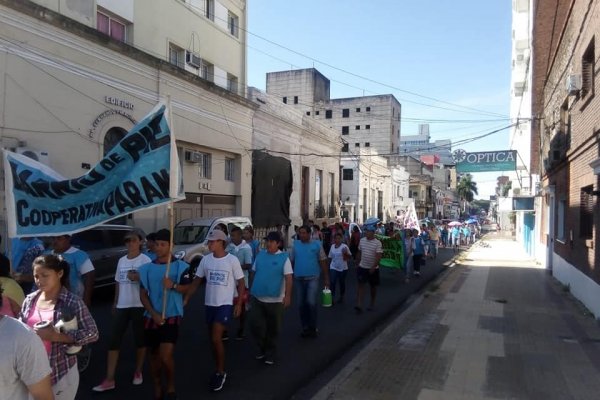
{"points": [[189, 236]]}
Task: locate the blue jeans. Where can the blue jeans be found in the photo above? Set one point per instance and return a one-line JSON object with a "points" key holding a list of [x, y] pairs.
{"points": [[307, 289], [336, 276]]}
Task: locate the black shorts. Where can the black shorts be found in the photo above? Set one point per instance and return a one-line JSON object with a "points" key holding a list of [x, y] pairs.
{"points": [[156, 334], [365, 276], [120, 323]]}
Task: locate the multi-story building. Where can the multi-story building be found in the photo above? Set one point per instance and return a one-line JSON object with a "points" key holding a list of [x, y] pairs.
{"points": [[371, 122], [76, 75], [291, 138], [421, 145], [565, 147]]}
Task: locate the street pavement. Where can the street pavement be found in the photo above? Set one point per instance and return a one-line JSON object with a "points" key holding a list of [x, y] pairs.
{"points": [[494, 326], [301, 361]]}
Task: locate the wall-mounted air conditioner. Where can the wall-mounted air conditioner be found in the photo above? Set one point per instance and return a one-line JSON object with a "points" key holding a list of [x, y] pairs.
{"points": [[192, 156], [573, 84], [193, 59], [37, 155]]}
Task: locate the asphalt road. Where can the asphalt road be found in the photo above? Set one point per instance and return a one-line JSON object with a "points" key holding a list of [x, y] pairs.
{"points": [[302, 363]]}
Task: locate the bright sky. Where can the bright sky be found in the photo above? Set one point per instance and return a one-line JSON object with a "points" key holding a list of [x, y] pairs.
{"points": [[458, 52]]}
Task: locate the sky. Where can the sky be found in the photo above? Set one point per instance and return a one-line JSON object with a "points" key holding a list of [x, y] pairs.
{"points": [[443, 60]]}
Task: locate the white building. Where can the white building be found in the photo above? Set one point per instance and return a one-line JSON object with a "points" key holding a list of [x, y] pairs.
{"points": [[76, 75], [363, 122], [421, 145], [289, 134], [367, 187]]}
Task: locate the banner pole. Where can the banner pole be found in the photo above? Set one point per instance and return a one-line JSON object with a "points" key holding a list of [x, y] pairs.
{"points": [[173, 189]]}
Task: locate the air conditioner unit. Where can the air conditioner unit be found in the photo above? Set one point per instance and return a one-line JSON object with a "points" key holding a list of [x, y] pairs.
{"points": [[37, 155], [516, 191], [193, 156], [193, 59], [573, 84]]}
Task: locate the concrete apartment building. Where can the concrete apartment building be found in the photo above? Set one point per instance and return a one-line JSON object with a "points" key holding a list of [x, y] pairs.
{"points": [[289, 134], [371, 122], [566, 141], [76, 75], [421, 145]]}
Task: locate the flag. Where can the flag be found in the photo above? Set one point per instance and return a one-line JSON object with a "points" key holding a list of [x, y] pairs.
{"points": [[411, 221], [136, 174]]}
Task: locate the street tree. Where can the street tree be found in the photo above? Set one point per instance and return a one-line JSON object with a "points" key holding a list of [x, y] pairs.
{"points": [[466, 190]]}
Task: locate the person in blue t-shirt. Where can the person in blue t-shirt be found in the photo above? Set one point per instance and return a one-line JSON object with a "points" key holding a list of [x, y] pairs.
{"points": [[309, 261], [150, 246], [23, 252], [242, 250], [248, 235], [161, 325], [81, 270]]}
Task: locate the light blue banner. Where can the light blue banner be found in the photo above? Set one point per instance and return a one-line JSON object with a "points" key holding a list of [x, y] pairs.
{"points": [[134, 175]]}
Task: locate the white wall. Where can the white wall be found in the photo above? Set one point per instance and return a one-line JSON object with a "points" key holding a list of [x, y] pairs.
{"points": [[581, 286], [122, 8]]}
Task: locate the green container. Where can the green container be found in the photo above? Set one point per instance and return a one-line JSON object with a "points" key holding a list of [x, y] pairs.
{"points": [[326, 298]]}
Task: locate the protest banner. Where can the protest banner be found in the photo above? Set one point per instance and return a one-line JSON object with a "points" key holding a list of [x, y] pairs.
{"points": [[138, 173]]}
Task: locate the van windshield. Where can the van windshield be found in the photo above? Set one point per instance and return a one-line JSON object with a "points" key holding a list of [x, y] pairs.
{"points": [[190, 234]]}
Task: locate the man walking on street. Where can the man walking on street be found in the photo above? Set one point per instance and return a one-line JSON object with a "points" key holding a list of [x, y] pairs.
{"points": [[222, 273], [370, 252], [242, 250], [271, 291], [309, 260]]}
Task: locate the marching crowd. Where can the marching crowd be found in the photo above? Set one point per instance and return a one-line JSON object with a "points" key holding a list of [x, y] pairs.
{"points": [[46, 294]]}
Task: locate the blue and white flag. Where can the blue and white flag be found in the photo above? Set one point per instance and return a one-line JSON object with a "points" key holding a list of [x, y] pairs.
{"points": [[137, 173]]}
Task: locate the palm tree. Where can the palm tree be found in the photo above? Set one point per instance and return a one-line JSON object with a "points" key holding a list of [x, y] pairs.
{"points": [[466, 190]]}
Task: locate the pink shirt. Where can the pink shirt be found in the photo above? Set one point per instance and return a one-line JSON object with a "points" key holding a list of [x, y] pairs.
{"points": [[41, 314]]}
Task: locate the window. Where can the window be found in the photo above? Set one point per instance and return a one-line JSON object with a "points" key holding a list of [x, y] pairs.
{"points": [[233, 23], [318, 186], [209, 9], [368, 109], [111, 26], [232, 83], [560, 220], [347, 174], [345, 113], [205, 166], [176, 55], [230, 169], [367, 144], [356, 144], [587, 71], [207, 71], [295, 99], [317, 112], [327, 114], [284, 100], [586, 212], [367, 126], [112, 138], [345, 148], [308, 113], [357, 128], [357, 109], [345, 130]]}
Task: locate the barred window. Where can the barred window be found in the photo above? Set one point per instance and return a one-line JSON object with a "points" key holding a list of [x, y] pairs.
{"points": [[586, 212], [205, 166], [230, 169]]}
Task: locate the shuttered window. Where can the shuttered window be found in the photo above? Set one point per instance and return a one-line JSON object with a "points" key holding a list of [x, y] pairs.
{"points": [[587, 71]]}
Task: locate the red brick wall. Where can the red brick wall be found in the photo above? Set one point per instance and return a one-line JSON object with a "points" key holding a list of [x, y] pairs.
{"points": [[562, 32]]}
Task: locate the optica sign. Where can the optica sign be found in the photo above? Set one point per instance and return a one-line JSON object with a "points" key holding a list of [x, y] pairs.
{"points": [[483, 161]]}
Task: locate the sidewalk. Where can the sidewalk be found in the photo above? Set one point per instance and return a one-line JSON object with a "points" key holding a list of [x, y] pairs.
{"points": [[495, 326]]}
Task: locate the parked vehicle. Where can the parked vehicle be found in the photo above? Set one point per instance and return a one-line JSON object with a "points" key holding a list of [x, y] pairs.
{"points": [[189, 236], [105, 244]]}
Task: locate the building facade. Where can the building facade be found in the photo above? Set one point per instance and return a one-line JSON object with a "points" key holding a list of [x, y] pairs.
{"points": [[566, 139], [287, 133], [366, 187], [71, 92]]}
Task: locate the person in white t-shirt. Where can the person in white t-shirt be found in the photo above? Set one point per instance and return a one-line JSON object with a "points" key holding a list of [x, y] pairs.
{"points": [[339, 254], [127, 307], [222, 272]]}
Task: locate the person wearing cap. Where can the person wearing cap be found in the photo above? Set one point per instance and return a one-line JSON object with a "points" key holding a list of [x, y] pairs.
{"points": [[242, 250], [127, 307], [369, 254], [150, 246], [271, 290], [222, 273], [161, 326], [81, 271], [309, 261]]}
